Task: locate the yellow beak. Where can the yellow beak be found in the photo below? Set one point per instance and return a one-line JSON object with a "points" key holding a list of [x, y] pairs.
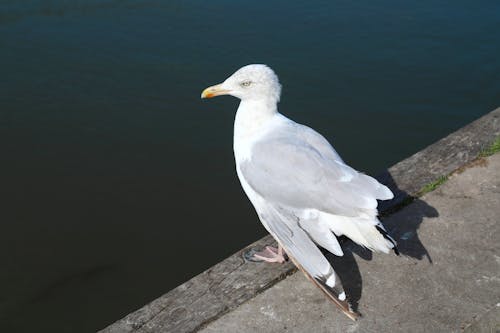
{"points": [[214, 91]]}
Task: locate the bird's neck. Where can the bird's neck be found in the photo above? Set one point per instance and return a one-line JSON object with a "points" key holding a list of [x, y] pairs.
{"points": [[251, 117]]}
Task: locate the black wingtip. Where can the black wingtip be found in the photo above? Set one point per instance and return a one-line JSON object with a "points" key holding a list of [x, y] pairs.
{"points": [[389, 238], [333, 294]]}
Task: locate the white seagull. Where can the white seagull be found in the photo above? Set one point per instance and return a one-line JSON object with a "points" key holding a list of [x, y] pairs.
{"points": [[303, 192]]}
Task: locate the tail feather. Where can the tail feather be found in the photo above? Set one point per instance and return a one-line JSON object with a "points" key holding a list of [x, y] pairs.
{"points": [[363, 231]]}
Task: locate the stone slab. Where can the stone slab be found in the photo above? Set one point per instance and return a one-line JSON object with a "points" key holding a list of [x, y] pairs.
{"points": [[234, 280], [458, 290]]}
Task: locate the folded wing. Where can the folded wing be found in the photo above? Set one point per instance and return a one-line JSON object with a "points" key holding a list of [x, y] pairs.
{"points": [[289, 168]]}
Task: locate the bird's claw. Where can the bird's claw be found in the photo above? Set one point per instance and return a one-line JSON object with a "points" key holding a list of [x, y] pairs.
{"points": [[268, 254]]}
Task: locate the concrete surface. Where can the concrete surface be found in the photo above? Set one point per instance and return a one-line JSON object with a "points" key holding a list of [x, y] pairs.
{"points": [[454, 287], [234, 281]]}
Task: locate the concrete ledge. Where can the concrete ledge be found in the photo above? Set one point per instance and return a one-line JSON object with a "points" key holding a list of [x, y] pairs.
{"points": [[456, 224], [233, 281]]}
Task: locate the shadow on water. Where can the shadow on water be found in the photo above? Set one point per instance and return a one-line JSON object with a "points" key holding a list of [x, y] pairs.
{"points": [[404, 233]]}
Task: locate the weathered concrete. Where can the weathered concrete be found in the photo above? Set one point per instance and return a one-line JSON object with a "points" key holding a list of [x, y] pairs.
{"points": [[459, 290], [234, 281], [207, 295], [440, 158]]}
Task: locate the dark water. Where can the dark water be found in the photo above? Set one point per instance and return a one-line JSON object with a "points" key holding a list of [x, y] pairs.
{"points": [[118, 182]]}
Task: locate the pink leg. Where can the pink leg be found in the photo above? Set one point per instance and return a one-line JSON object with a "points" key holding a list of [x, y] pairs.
{"points": [[271, 254]]}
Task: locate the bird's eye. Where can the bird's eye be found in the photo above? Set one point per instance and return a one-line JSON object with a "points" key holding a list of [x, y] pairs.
{"points": [[245, 83]]}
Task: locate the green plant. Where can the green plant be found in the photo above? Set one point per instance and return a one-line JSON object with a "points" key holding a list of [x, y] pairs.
{"points": [[432, 185], [492, 149]]}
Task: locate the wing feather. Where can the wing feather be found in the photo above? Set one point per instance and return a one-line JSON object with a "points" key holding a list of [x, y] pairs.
{"points": [[284, 227], [289, 168]]}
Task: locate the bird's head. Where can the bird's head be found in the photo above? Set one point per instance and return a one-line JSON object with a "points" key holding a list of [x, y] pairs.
{"points": [[251, 82]]}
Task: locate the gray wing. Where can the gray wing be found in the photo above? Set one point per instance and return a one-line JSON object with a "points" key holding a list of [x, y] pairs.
{"points": [[296, 167], [284, 227]]}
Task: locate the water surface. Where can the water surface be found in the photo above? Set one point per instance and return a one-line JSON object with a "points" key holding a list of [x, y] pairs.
{"points": [[118, 182]]}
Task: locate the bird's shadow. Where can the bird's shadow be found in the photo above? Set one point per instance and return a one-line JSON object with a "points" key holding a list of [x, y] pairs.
{"points": [[404, 233]]}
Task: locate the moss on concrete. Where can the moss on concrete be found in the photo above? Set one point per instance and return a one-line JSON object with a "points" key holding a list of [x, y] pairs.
{"points": [[492, 149], [432, 185]]}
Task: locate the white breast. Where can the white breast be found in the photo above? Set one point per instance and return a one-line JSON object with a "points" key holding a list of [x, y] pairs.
{"points": [[252, 121]]}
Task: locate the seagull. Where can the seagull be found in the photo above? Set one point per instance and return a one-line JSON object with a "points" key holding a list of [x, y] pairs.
{"points": [[303, 192]]}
